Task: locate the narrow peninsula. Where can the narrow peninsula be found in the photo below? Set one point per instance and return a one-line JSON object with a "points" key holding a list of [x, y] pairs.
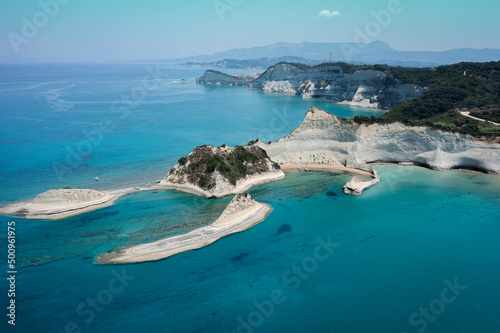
{"points": [[61, 203], [241, 214]]}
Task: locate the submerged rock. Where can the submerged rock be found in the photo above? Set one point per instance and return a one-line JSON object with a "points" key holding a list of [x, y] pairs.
{"points": [[239, 257], [331, 194], [284, 228]]}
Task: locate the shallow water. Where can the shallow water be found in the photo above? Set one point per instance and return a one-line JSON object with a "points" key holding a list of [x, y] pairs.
{"points": [[94, 126], [393, 247]]}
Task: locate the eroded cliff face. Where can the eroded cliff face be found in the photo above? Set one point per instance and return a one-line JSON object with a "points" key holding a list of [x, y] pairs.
{"points": [[365, 88], [324, 138]]}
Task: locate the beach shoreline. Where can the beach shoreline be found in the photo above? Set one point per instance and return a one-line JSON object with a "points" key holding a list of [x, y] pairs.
{"points": [[64, 210], [325, 167], [241, 186]]}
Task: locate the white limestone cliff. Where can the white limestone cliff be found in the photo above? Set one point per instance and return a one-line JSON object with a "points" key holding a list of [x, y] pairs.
{"points": [[364, 88], [323, 138]]}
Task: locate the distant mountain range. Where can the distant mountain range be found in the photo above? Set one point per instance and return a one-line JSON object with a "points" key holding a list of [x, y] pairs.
{"points": [[356, 53]]}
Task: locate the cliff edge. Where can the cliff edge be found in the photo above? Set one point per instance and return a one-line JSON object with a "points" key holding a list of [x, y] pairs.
{"points": [[324, 138], [365, 88]]}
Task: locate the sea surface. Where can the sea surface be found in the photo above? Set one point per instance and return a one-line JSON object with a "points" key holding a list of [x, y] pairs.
{"points": [[419, 252]]}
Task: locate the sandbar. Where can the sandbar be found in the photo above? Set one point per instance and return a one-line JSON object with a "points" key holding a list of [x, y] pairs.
{"points": [[61, 203]]}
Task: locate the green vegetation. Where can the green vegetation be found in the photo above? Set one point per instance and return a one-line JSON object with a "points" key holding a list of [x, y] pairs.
{"points": [[491, 114], [234, 164], [231, 167], [322, 84], [473, 87], [252, 142], [296, 64]]}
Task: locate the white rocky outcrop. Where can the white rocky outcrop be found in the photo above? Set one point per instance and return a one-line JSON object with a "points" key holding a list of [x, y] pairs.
{"points": [[324, 138], [363, 99], [356, 187], [279, 86]]}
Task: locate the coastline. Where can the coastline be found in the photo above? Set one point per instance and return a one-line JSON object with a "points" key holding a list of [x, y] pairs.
{"points": [[241, 186], [62, 210], [26, 209], [195, 239], [422, 166], [326, 167]]}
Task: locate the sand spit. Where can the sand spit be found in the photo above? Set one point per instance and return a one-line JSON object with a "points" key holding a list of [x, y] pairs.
{"points": [[242, 213], [61, 203]]}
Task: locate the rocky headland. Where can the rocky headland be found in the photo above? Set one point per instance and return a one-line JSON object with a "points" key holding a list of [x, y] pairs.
{"points": [[215, 172]]}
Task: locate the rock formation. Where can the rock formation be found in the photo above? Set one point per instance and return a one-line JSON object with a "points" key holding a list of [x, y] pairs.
{"points": [[356, 187], [365, 88], [324, 138], [219, 171]]}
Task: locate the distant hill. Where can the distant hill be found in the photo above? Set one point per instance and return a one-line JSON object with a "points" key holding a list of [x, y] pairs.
{"points": [[259, 63], [357, 53]]}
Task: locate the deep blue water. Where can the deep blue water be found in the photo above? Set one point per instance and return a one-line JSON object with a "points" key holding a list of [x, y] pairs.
{"points": [[392, 254]]}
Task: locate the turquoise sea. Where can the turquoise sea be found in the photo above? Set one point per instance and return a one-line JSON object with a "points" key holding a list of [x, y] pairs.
{"points": [[419, 252]]}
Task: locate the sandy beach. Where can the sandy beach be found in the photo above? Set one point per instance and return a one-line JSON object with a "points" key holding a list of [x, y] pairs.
{"points": [[241, 214], [325, 167]]}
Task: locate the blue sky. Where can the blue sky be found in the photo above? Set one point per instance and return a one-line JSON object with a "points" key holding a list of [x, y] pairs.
{"points": [[107, 30]]}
